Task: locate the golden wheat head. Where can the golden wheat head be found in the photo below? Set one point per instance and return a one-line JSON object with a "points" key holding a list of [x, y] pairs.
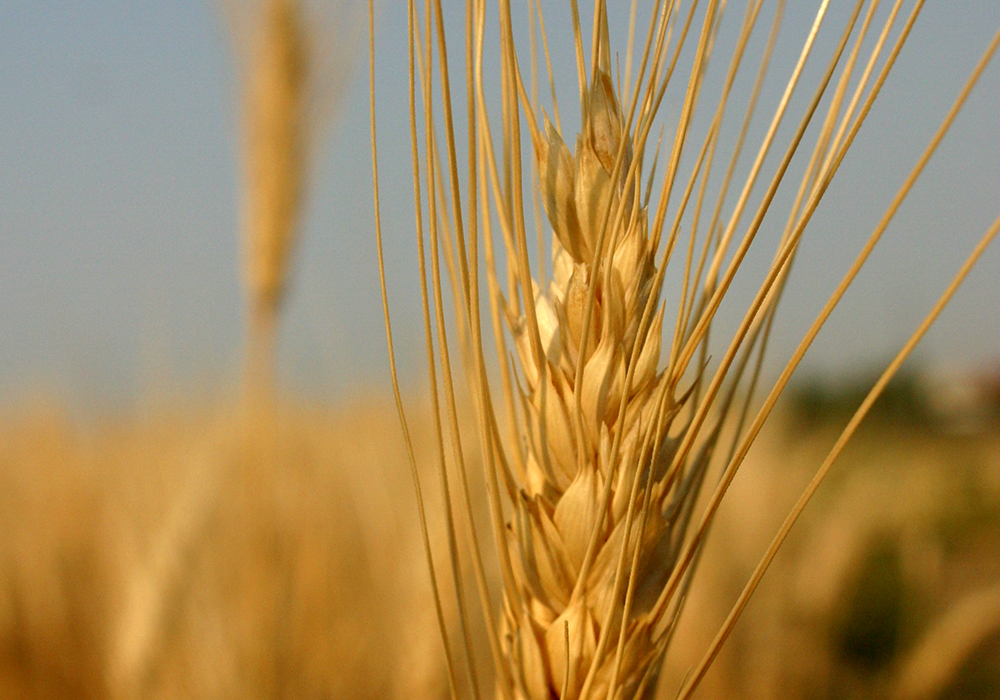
{"points": [[275, 143], [598, 448]]}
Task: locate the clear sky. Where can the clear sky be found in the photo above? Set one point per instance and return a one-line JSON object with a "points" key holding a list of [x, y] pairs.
{"points": [[120, 194]]}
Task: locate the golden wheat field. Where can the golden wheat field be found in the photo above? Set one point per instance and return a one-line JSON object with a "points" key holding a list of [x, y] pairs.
{"points": [[171, 557], [595, 463]]}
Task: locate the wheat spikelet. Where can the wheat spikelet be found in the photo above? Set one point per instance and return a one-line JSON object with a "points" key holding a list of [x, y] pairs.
{"points": [[613, 431], [570, 584]]}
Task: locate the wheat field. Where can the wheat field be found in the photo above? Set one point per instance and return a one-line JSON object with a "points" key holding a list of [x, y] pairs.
{"points": [[575, 512], [162, 558]]}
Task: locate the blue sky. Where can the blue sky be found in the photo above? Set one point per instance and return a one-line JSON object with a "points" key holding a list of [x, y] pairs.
{"points": [[120, 196]]}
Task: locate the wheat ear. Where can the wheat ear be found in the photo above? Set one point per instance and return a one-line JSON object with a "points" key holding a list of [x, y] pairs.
{"points": [[592, 497], [274, 146]]}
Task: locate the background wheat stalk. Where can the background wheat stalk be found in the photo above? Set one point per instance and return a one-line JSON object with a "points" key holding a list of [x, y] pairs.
{"points": [[284, 92], [592, 492], [293, 60], [275, 142]]}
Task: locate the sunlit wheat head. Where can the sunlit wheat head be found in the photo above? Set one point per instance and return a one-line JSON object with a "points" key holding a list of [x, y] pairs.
{"points": [[601, 417]]}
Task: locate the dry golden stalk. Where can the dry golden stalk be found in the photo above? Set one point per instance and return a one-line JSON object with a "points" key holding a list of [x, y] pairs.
{"points": [[609, 450], [275, 143]]}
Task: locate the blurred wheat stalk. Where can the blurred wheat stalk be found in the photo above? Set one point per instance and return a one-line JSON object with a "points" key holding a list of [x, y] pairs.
{"points": [[275, 161], [595, 454], [293, 61]]}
